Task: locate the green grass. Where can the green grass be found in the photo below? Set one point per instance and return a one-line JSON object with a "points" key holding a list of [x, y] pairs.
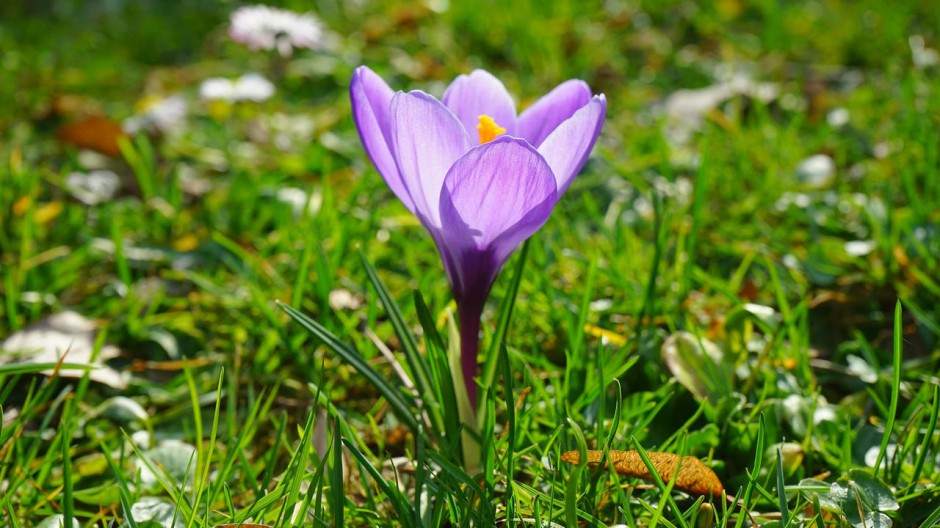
{"points": [[253, 398]]}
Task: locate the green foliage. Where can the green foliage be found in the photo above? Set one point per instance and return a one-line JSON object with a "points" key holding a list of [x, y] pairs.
{"points": [[288, 355]]}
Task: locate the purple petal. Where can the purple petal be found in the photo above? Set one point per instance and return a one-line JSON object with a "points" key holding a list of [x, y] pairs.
{"points": [[567, 148], [371, 101], [494, 197], [479, 93], [426, 141], [544, 116]]}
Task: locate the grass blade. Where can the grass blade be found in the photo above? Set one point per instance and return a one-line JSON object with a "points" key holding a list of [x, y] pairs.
{"points": [[416, 362], [441, 377], [394, 397], [337, 493], [398, 501], [505, 315], [781, 491], [755, 471], [664, 488], [895, 387], [928, 436]]}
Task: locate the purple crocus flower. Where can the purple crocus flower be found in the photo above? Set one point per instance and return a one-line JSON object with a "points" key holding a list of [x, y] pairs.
{"points": [[480, 178]]}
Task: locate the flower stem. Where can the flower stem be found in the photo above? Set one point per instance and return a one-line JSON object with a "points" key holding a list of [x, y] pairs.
{"points": [[469, 314]]}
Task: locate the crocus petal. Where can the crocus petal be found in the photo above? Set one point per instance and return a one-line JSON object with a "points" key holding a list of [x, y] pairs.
{"points": [[371, 100], [426, 141], [494, 197], [544, 116], [479, 93], [567, 148]]}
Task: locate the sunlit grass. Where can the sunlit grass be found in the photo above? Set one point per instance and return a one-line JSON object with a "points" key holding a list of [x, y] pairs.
{"points": [[812, 306]]}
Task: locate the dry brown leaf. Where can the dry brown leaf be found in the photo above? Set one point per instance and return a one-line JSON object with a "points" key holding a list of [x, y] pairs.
{"points": [[94, 133], [693, 476]]}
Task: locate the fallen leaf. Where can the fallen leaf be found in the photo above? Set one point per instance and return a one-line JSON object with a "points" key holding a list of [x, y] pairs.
{"points": [[693, 475], [94, 133], [47, 340]]}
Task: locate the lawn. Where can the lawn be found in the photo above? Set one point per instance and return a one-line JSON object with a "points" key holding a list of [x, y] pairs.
{"points": [[214, 309]]}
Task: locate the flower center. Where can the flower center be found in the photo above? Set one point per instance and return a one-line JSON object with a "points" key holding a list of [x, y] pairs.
{"points": [[488, 129]]}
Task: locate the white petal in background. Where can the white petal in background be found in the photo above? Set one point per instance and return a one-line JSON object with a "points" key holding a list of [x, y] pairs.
{"points": [[817, 170], [922, 56], [56, 521], [151, 510], [70, 333], [254, 87], [859, 248], [94, 187], [248, 87], [217, 88]]}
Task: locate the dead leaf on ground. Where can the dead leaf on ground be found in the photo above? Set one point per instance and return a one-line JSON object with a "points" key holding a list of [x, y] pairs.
{"points": [[693, 475], [94, 133], [47, 340]]}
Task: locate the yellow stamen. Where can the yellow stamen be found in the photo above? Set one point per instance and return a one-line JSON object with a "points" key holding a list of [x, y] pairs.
{"points": [[488, 129]]}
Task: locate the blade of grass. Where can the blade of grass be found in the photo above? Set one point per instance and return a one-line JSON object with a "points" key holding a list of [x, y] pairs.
{"points": [[505, 316], [782, 492], [698, 198], [416, 362], [296, 470], [68, 501], [574, 478], [553, 503], [615, 421], [260, 407], [202, 483], [895, 388], [510, 453], [664, 489], [337, 493], [440, 372], [398, 500], [649, 294], [933, 519], [36, 368], [817, 510], [753, 473], [464, 479], [197, 415], [124, 493], [928, 437], [303, 269], [575, 366], [394, 397]]}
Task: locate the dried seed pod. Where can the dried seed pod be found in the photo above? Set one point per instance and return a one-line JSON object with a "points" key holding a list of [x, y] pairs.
{"points": [[693, 476]]}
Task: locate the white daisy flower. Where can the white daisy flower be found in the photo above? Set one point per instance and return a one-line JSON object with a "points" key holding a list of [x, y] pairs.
{"points": [[264, 27], [217, 88], [253, 87], [248, 87]]}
